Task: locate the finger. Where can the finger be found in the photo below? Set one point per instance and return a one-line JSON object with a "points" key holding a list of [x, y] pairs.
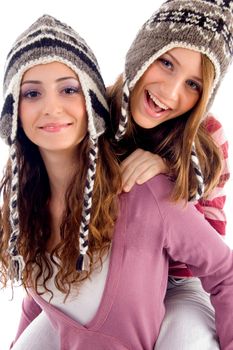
{"points": [[132, 164], [147, 175], [139, 161], [152, 171], [135, 156], [131, 174]]}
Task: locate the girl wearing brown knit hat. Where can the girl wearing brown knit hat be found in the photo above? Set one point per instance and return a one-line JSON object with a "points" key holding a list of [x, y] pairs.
{"points": [[161, 104]]}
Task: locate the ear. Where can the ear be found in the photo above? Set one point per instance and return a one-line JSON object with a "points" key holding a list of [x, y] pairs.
{"points": [[6, 118]]}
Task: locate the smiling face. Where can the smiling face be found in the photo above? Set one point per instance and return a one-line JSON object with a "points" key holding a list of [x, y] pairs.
{"points": [[171, 86], [52, 107]]}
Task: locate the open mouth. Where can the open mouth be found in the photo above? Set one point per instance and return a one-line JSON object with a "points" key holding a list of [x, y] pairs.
{"points": [[155, 104]]}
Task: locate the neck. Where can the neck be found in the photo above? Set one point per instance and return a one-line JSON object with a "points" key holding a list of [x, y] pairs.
{"points": [[60, 170]]}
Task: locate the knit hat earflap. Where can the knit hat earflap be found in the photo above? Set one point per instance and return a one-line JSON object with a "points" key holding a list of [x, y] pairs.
{"points": [[48, 40], [205, 26]]}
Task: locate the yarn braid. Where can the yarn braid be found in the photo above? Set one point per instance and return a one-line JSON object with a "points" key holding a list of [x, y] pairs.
{"points": [[199, 176], [83, 259]]}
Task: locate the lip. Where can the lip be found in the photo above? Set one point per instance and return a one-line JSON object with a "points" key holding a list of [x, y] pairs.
{"points": [[150, 111], [54, 127]]}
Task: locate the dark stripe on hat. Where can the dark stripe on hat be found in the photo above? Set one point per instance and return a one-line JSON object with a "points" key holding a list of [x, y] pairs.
{"points": [[184, 16], [55, 34], [8, 105], [225, 3], [54, 43], [98, 107], [47, 31]]}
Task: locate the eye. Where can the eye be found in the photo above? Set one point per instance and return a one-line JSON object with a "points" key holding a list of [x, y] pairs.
{"points": [[71, 90], [166, 63], [194, 85], [30, 94]]}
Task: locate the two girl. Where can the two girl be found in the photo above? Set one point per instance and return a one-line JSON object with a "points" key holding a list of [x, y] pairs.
{"points": [[91, 260]]}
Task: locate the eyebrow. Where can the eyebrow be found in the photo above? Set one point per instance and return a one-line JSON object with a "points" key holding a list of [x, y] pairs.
{"points": [[39, 82], [175, 59]]}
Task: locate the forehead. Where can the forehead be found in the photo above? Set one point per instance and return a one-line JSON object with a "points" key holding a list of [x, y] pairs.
{"points": [[185, 52], [52, 69], [187, 57]]}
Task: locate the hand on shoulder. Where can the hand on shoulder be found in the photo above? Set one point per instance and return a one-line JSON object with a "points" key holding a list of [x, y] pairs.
{"points": [[140, 167]]}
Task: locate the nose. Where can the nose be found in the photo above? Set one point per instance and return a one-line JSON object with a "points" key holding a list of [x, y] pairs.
{"points": [[173, 88], [52, 105]]}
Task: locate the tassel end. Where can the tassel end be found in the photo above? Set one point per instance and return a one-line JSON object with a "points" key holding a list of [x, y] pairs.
{"points": [[83, 263], [16, 268]]}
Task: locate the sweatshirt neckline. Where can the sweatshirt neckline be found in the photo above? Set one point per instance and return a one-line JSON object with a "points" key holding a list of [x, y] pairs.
{"points": [[112, 280]]}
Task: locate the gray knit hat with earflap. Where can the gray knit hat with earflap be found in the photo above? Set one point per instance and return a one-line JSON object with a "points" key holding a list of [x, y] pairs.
{"points": [[205, 26], [48, 40]]}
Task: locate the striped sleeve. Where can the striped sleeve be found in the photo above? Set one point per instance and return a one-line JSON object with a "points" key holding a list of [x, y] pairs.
{"points": [[213, 206]]}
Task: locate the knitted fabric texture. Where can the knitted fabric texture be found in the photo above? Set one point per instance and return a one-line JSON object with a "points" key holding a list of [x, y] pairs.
{"points": [[203, 26], [48, 40]]}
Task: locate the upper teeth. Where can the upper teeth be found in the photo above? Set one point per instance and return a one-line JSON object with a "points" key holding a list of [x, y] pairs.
{"points": [[157, 102]]}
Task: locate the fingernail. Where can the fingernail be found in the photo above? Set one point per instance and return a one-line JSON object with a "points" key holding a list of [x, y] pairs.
{"points": [[126, 188]]}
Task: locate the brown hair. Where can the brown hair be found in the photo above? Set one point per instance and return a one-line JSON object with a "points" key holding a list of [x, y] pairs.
{"points": [[35, 221], [173, 139]]}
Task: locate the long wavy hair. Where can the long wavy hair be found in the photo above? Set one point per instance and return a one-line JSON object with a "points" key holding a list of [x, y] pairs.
{"points": [[173, 139], [35, 218]]}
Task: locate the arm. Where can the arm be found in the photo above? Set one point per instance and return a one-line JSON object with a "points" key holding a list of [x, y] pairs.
{"points": [[190, 239], [30, 310], [210, 259], [213, 206], [141, 166]]}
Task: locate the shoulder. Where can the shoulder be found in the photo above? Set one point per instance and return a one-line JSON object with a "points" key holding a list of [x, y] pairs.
{"points": [[144, 212], [151, 203], [159, 187], [153, 195]]}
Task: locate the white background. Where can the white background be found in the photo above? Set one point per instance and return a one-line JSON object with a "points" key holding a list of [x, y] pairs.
{"points": [[109, 28]]}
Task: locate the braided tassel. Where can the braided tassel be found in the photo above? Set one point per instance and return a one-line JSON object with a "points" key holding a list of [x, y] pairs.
{"points": [[17, 263], [83, 261], [200, 179], [16, 267], [124, 113]]}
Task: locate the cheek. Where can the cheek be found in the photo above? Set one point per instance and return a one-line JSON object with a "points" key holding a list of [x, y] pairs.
{"points": [[134, 100], [84, 124], [21, 113], [83, 121], [190, 102], [26, 113]]}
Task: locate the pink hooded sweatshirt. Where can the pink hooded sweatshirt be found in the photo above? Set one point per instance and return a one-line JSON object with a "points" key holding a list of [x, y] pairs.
{"points": [[149, 230]]}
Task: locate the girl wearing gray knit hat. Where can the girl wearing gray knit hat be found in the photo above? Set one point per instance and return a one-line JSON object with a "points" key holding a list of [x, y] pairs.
{"points": [[54, 169], [161, 104]]}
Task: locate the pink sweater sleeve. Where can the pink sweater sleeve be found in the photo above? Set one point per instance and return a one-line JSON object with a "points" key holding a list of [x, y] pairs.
{"points": [[213, 206], [30, 310], [189, 238], [192, 240]]}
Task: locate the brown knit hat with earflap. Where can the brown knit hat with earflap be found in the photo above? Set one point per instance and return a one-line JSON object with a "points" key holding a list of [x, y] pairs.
{"points": [[205, 26]]}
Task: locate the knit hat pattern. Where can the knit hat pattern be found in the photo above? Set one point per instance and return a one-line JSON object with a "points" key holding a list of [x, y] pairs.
{"points": [[205, 26], [49, 40]]}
